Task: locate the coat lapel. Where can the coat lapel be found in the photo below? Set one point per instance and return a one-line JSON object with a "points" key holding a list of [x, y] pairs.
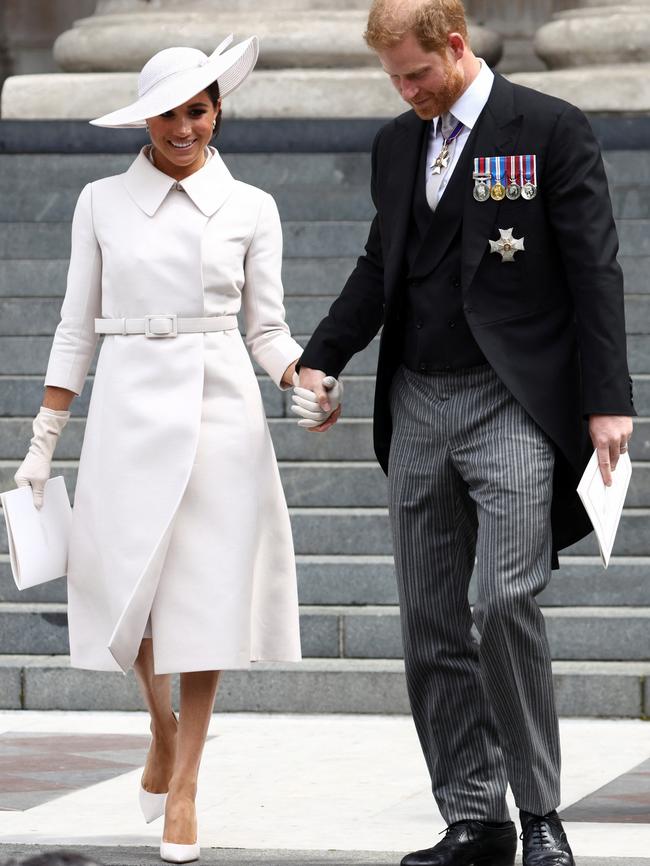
{"points": [[147, 186], [497, 134], [209, 187], [402, 172]]}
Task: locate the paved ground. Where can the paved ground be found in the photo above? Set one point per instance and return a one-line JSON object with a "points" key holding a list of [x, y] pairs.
{"points": [[146, 856], [305, 790]]}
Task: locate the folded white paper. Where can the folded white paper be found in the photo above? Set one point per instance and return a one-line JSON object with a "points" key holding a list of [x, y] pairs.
{"points": [[603, 504], [38, 539]]}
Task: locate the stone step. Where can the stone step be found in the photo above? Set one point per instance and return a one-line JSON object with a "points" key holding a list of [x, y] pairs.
{"points": [[326, 202], [350, 439], [366, 531], [306, 203], [574, 633], [22, 395], [20, 240], [40, 316], [370, 580], [26, 356], [58, 171], [301, 276], [587, 689], [35, 316], [315, 239], [335, 484]]}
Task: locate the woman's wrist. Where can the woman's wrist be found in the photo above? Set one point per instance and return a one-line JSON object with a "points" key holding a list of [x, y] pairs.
{"points": [[57, 399], [287, 376]]}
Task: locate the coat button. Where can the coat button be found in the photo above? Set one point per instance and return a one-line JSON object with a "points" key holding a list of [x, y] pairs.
{"points": [[452, 324], [456, 283], [418, 325]]}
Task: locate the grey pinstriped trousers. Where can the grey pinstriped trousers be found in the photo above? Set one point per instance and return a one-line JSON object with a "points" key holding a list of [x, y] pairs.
{"points": [[470, 476]]}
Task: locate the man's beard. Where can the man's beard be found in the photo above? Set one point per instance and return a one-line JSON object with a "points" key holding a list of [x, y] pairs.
{"points": [[443, 99]]}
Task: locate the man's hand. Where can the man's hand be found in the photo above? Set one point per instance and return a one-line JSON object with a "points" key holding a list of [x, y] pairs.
{"points": [[312, 380], [316, 381], [610, 435]]}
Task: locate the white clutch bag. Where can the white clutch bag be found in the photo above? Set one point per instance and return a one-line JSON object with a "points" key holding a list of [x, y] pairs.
{"points": [[38, 540]]}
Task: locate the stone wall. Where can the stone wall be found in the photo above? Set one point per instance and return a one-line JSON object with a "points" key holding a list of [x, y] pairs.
{"points": [[517, 21], [29, 27]]}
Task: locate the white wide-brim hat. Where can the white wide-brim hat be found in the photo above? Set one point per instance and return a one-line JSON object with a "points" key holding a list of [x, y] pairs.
{"points": [[174, 75]]}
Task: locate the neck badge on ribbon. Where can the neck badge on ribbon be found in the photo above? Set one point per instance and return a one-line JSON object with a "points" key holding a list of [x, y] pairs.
{"points": [[442, 160]]}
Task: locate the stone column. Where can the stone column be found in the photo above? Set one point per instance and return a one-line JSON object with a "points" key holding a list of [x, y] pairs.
{"points": [[313, 60], [598, 55]]}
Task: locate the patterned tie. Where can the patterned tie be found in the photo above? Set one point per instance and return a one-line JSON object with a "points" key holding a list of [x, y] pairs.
{"points": [[434, 181]]}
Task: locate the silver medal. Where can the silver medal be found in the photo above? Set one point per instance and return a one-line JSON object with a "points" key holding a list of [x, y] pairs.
{"points": [[513, 190], [482, 187], [528, 191]]}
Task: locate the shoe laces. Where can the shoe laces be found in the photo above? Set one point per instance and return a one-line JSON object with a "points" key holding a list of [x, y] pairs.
{"points": [[540, 835]]}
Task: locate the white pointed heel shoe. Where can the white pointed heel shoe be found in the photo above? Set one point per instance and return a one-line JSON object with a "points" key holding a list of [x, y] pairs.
{"points": [[172, 852], [152, 805]]}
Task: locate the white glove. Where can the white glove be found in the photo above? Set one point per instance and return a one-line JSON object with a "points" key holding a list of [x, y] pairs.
{"points": [[306, 405], [35, 468]]}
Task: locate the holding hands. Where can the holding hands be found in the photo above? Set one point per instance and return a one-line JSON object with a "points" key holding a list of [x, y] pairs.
{"points": [[316, 400]]}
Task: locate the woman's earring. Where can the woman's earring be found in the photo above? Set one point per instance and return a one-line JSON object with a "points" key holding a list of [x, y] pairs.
{"points": [[214, 123]]}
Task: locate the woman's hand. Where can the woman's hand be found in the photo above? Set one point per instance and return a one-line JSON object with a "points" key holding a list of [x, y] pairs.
{"points": [[35, 469]]}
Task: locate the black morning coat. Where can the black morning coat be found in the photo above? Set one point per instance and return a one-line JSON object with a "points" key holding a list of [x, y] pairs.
{"points": [[551, 323]]}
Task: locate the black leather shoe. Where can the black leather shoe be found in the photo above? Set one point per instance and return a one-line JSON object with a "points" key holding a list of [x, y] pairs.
{"points": [[545, 842], [470, 843]]}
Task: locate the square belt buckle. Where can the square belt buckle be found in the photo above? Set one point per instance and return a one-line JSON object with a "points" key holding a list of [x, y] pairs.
{"points": [[162, 326]]}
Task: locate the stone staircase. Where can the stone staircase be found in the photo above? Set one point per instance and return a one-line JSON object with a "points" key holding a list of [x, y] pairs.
{"points": [[598, 621]]}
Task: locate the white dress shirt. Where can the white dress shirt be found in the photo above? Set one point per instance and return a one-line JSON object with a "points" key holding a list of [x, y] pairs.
{"points": [[466, 109]]}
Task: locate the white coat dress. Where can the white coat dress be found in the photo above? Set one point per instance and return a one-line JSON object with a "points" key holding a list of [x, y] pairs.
{"points": [[180, 518]]}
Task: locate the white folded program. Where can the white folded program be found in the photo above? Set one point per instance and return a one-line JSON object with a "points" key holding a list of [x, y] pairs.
{"points": [[305, 403]]}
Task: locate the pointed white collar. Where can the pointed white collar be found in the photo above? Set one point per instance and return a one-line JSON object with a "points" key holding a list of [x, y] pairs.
{"points": [[208, 188], [471, 103]]}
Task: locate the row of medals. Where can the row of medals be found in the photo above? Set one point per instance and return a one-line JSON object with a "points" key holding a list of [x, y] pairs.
{"points": [[485, 189]]}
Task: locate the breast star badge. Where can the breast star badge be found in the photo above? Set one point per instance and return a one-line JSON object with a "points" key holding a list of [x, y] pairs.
{"points": [[507, 245]]}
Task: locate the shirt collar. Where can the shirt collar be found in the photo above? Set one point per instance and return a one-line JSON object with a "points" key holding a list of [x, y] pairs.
{"points": [[471, 103], [208, 188]]}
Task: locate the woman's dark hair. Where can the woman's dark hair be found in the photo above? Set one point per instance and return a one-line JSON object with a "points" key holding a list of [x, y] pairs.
{"points": [[213, 92]]}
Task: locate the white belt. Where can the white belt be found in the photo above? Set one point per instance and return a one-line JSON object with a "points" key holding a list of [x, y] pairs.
{"points": [[165, 325]]}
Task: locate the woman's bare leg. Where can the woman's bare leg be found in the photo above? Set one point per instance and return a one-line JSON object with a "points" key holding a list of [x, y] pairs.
{"points": [[157, 692], [198, 691]]}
